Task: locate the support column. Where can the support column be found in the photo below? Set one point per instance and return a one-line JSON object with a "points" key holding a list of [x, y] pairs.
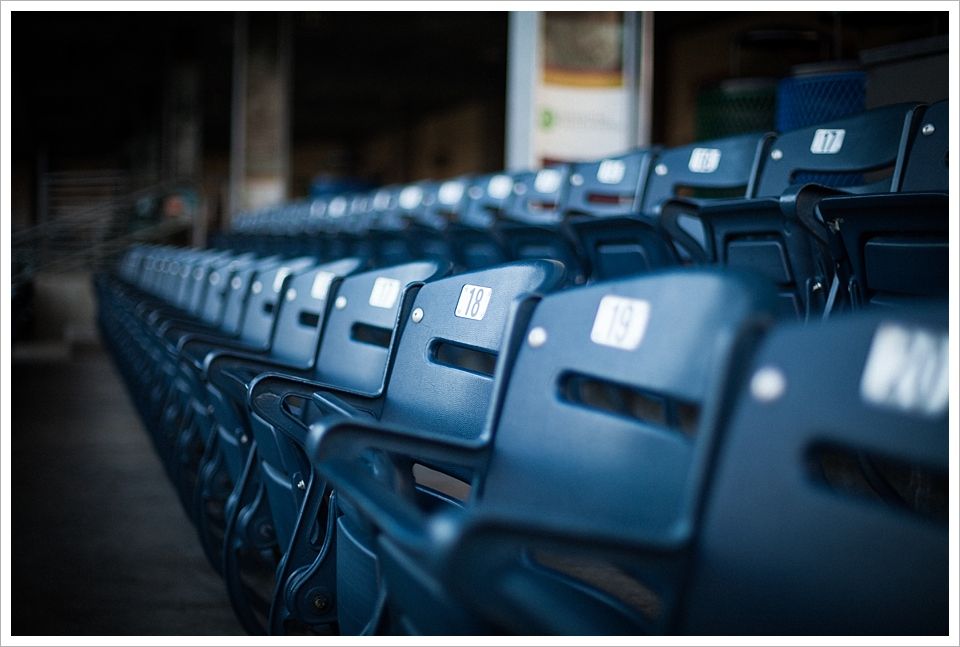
{"points": [[260, 119]]}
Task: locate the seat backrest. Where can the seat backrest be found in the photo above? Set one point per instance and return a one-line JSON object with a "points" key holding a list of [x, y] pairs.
{"points": [[263, 304], [487, 197], [446, 201], [613, 403], [721, 167], [303, 311], [837, 153], [827, 509], [360, 334], [240, 293], [610, 186], [925, 168], [442, 378], [212, 308], [538, 196]]}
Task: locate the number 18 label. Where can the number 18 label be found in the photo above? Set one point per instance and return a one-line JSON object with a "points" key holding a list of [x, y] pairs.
{"points": [[620, 322], [473, 302]]}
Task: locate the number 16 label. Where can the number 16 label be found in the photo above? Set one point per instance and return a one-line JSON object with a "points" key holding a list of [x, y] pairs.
{"points": [[473, 302], [620, 322]]}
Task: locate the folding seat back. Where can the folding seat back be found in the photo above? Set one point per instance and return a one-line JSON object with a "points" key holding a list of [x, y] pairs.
{"points": [[827, 511], [896, 247], [303, 311], [213, 307], [538, 196], [487, 198], [443, 372], [614, 399], [241, 281], [203, 289], [926, 168], [840, 153], [610, 413], [447, 201], [474, 241], [263, 304], [533, 224], [773, 236], [610, 186], [426, 230], [361, 329], [721, 168]]}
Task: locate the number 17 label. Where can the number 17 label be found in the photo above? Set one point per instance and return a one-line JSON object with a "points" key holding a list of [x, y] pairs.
{"points": [[620, 322], [473, 302]]}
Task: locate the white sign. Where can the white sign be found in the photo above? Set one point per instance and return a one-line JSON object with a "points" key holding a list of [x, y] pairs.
{"points": [[704, 160], [473, 302], [827, 141], [321, 285], [385, 292], [611, 171], [907, 369], [620, 322]]}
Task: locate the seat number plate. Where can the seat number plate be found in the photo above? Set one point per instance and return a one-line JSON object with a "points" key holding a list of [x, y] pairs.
{"points": [[473, 302], [385, 292], [620, 322], [827, 141], [907, 369]]}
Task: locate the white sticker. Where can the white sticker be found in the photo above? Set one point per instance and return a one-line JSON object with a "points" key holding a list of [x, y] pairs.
{"points": [[499, 186], [321, 285], [827, 141], [907, 369], [473, 302], [278, 279], [338, 207], [410, 197], [704, 160], [385, 292], [450, 192], [381, 200], [620, 322], [611, 171], [547, 180]]}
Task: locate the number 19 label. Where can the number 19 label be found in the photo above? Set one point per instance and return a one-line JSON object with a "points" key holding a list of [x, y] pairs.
{"points": [[473, 302], [620, 322]]}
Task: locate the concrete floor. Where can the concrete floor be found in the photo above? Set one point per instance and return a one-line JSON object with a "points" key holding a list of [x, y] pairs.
{"points": [[100, 544]]}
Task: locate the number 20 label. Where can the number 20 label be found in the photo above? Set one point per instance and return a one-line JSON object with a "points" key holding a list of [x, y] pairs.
{"points": [[620, 322], [473, 302]]}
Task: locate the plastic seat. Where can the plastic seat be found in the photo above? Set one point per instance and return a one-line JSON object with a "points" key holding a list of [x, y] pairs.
{"points": [[841, 526], [773, 232], [475, 243], [611, 408], [441, 380], [533, 224], [355, 341], [893, 249]]}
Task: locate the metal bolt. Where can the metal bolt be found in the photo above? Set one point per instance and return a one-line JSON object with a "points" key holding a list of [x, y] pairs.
{"points": [[928, 129], [417, 315], [256, 287], [291, 294], [209, 408], [768, 384], [301, 485], [776, 154], [320, 602], [576, 179], [243, 439], [537, 337], [214, 278], [340, 303], [817, 286], [660, 169], [519, 188], [235, 283]]}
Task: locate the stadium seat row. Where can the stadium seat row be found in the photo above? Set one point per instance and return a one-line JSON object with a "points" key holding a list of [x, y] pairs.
{"points": [[514, 414]]}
